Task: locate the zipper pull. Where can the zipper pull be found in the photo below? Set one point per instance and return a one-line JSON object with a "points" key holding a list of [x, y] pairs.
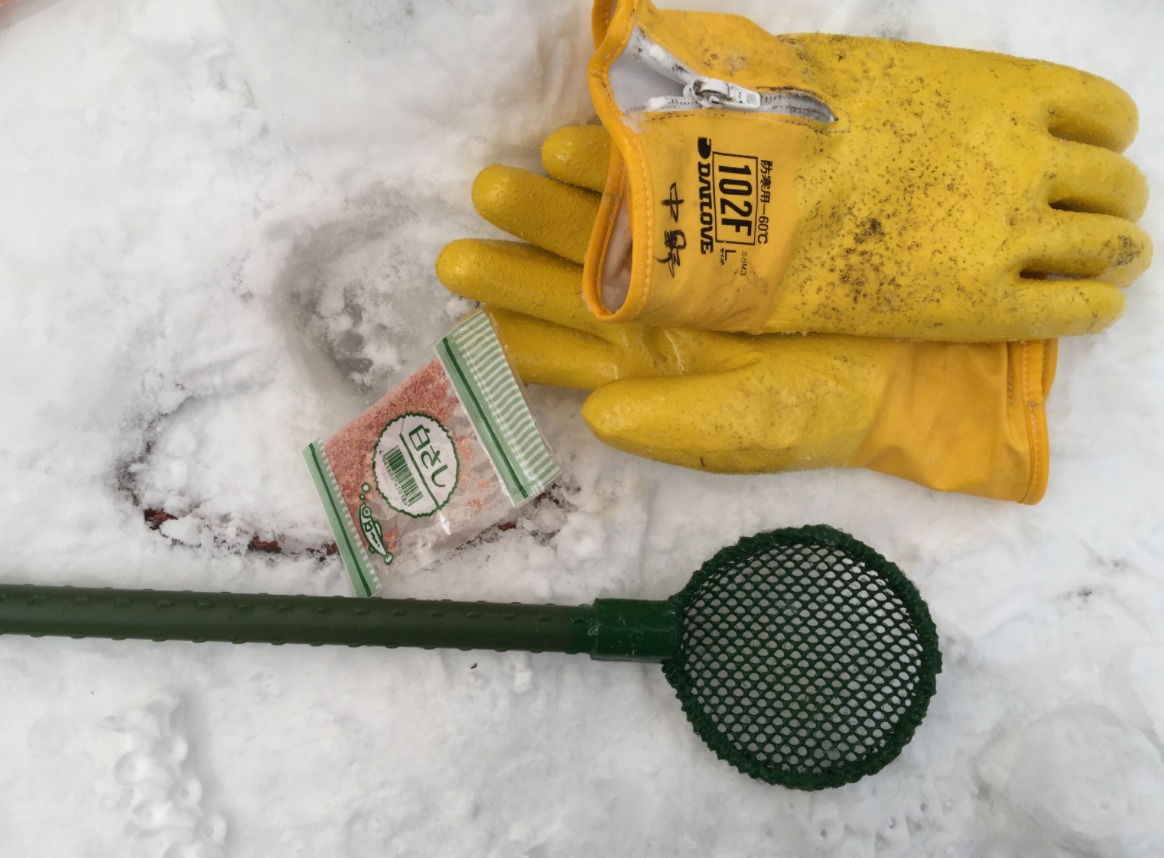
{"points": [[711, 93]]}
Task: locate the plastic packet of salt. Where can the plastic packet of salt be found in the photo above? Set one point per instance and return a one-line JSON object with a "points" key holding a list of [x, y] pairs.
{"points": [[449, 451]]}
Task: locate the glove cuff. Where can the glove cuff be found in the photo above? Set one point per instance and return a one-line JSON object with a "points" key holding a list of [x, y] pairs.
{"points": [[1032, 371], [708, 117], [965, 418]]}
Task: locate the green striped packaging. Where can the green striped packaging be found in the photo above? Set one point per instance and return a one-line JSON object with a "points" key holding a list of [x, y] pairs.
{"points": [[473, 357], [347, 535], [386, 510]]}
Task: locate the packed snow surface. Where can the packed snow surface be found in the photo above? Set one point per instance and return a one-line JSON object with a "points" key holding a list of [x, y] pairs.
{"points": [[218, 222]]}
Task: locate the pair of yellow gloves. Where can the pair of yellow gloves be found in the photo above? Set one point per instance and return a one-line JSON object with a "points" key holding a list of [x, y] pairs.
{"points": [[790, 252]]}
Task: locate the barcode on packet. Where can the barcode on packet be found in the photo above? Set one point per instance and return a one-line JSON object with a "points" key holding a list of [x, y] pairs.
{"points": [[405, 482]]}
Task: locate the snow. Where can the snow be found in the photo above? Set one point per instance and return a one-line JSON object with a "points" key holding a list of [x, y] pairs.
{"points": [[217, 231]]}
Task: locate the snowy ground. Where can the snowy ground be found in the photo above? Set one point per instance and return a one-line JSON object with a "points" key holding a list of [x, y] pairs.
{"points": [[217, 229]]}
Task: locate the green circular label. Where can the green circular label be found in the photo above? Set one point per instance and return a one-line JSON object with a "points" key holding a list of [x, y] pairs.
{"points": [[415, 465]]}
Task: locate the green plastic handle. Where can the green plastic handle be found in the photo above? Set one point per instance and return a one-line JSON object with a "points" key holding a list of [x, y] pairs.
{"points": [[610, 629]]}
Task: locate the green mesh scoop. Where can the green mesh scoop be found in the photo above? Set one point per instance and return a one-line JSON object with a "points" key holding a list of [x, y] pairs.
{"points": [[802, 657]]}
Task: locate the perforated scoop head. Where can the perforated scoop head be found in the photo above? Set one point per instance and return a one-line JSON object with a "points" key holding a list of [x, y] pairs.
{"points": [[805, 658]]}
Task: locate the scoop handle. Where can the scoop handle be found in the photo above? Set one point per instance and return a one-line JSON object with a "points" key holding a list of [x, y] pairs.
{"points": [[618, 629]]}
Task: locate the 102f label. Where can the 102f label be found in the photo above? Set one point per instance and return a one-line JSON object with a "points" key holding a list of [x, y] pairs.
{"points": [[733, 181], [728, 197]]}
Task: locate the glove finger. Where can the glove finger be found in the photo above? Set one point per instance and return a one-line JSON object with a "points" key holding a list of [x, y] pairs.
{"points": [[1076, 244], [752, 419], [1091, 179], [544, 353], [1085, 108], [516, 276], [550, 214], [578, 155], [1076, 306]]}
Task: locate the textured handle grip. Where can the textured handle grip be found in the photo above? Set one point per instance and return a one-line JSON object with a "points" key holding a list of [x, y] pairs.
{"points": [[160, 615]]}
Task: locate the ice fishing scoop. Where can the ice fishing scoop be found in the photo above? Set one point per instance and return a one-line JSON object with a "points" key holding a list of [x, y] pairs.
{"points": [[802, 656]]}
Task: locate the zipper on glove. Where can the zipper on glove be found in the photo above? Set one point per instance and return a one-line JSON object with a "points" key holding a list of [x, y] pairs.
{"points": [[698, 91]]}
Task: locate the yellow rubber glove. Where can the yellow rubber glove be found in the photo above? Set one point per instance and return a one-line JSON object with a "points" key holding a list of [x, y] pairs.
{"points": [[966, 418], [828, 183]]}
